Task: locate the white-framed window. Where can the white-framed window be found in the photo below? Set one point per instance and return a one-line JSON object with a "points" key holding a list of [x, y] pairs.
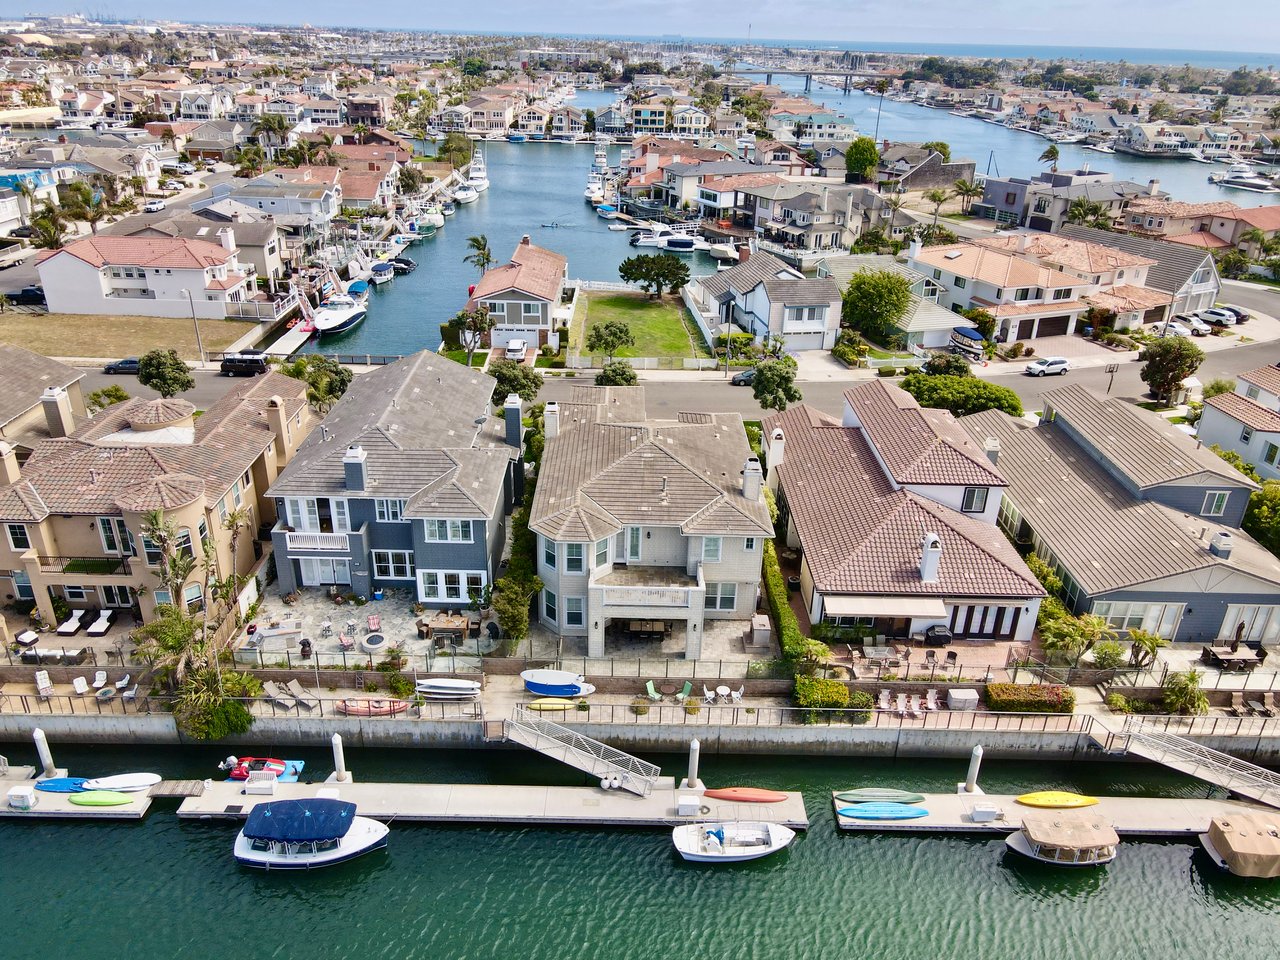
{"points": [[193, 597], [151, 550], [449, 531], [549, 606], [633, 543], [115, 536], [19, 538], [393, 564], [450, 584], [1269, 453], [496, 308], [1246, 434], [721, 596], [203, 531], [1251, 392], [1215, 503], [711, 549], [549, 552], [531, 309], [22, 585], [574, 608], [182, 543], [574, 561], [303, 514], [341, 514], [75, 594], [749, 544], [1063, 294], [389, 511], [1261, 623], [602, 552], [1158, 618], [975, 500], [236, 497]]}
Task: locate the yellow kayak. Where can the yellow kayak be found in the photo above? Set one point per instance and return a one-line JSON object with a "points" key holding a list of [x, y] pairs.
{"points": [[1056, 799], [551, 703]]}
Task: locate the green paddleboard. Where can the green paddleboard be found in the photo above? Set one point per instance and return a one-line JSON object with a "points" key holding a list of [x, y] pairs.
{"points": [[879, 795], [100, 798]]}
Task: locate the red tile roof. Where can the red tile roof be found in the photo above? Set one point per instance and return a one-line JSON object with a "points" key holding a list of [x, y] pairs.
{"points": [[1268, 377], [1201, 238], [1249, 412], [170, 252], [532, 270]]}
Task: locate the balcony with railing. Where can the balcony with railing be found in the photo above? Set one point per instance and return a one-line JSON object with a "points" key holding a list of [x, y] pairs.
{"points": [[86, 566], [649, 587], [314, 541]]}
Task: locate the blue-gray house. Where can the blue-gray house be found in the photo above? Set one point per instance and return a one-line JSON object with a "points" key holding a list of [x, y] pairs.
{"points": [[1140, 520], [406, 484]]}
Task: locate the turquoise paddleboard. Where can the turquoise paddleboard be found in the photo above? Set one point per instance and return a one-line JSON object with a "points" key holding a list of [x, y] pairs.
{"points": [[883, 811]]}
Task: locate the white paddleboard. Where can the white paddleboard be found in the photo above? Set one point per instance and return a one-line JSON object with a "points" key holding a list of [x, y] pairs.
{"points": [[124, 782]]}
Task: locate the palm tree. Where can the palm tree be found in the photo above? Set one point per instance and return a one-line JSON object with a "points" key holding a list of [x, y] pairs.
{"points": [[481, 257], [1050, 156], [272, 131], [251, 159], [881, 87], [967, 191], [28, 193], [1089, 213], [1273, 116], [1145, 646], [1182, 693], [937, 198], [49, 227], [361, 130], [1255, 238]]}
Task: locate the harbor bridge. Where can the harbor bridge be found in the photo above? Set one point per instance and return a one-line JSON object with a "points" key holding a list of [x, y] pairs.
{"points": [[846, 76]]}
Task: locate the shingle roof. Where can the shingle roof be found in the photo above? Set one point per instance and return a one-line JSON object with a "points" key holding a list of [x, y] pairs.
{"points": [[1143, 446], [861, 535], [26, 375], [918, 445], [1248, 412], [749, 274], [1175, 263], [1105, 537], [843, 267]]}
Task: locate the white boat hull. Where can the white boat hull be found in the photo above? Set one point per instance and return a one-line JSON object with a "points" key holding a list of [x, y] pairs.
{"points": [[1018, 843], [124, 782], [743, 840], [364, 836], [338, 321]]}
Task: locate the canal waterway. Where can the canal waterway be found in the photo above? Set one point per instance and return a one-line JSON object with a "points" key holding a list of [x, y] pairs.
{"points": [[164, 888]]}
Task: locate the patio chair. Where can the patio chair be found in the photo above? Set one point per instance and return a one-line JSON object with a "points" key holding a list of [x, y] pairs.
{"points": [[278, 696], [130, 695], [931, 700], [1237, 707], [883, 703], [373, 623], [306, 699], [901, 705], [345, 642], [952, 659], [931, 658], [44, 686], [80, 685], [685, 691], [123, 682], [913, 706], [736, 695], [99, 679], [649, 690], [708, 696]]}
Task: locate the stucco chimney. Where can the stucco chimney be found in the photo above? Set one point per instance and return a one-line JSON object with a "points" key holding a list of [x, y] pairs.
{"points": [[57, 411], [913, 250], [930, 557], [1153, 187], [10, 472], [752, 479], [228, 238], [511, 413], [1024, 241], [551, 420], [355, 468], [525, 241], [992, 446], [776, 448], [279, 422]]}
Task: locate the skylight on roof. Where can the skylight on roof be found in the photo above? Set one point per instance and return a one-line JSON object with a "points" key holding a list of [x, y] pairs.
{"points": [[954, 254]]}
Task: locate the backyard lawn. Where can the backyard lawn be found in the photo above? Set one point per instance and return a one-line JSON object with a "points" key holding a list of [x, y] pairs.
{"points": [[75, 335], [661, 328]]}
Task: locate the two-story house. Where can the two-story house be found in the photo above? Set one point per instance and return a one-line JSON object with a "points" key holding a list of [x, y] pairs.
{"points": [[533, 118], [406, 484], [893, 510], [24, 418], [75, 514], [1139, 520], [523, 296], [491, 114], [1247, 420], [568, 123], [1188, 275], [924, 323], [645, 521]]}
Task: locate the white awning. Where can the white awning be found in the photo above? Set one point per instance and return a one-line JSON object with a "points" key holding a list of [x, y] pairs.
{"points": [[922, 607]]}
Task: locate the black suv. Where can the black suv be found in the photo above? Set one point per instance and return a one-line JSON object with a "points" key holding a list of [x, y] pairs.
{"points": [[248, 363]]}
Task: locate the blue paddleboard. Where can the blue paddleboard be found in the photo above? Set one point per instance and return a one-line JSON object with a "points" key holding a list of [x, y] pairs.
{"points": [[62, 785], [883, 811]]}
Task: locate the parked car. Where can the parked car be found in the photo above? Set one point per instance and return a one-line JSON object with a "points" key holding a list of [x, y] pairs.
{"points": [[517, 350], [185, 169], [174, 185], [744, 378], [1171, 328], [127, 365], [1241, 314], [27, 296], [246, 363], [1197, 326], [1218, 317], [153, 206], [24, 232], [1048, 366]]}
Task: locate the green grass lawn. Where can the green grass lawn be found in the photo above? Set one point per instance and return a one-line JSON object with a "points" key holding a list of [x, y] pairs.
{"points": [[460, 356], [661, 328]]}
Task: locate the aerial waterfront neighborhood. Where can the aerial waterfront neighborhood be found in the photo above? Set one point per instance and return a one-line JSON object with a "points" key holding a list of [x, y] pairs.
{"points": [[719, 436]]}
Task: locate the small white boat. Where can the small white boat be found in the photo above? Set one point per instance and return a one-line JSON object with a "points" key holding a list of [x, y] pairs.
{"points": [[1198, 157], [1100, 148], [466, 193], [1065, 841], [338, 314], [432, 217], [546, 682], [723, 251], [478, 176], [447, 687], [730, 841], [683, 243], [383, 272], [124, 782], [1246, 844], [619, 227], [306, 834]]}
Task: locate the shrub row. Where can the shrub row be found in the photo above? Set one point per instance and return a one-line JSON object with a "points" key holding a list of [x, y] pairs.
{"points": [[785, 624], [816, 692], [1030, 698]]}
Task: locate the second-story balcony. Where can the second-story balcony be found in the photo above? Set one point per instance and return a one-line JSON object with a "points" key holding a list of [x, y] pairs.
{"points": [[657, 587], [319, 542], [86, 566]]}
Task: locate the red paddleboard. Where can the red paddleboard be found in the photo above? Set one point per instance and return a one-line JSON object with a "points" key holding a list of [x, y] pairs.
{"points": [[746, 795]]}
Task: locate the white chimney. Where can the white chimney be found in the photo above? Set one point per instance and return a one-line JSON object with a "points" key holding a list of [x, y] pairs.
{"points": [[57, 411], [752, 479], [551, 420], [914, 249], [228, 238], [776, 447], [992, 447], [9, 470], [1024, 241], [930, 557], [1220, 545]]}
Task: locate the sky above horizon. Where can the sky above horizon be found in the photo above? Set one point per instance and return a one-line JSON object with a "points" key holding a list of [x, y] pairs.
{"points": [[1238, 25]]}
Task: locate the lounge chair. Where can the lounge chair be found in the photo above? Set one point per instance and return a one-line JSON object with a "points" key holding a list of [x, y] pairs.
{"points": [[883, 703], [931, 700], [1238, 708], [736, 695], [80, 685], [913, 706], [72, 625], [373, 623], [708, 696], [306, 699], [123, 682], [278, 696], [44, 686], [100, 626], [652, 694], [99, 679], [685, 691], [130, 695], [345, 642], [1269, 702], [901, 704]]}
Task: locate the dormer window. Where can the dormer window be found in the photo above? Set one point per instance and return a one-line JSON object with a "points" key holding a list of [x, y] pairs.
{"points": [[974, 500]]}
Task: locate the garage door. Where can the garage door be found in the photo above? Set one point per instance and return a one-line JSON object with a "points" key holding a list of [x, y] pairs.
{"points": [[803, 341], [1053, 326]]}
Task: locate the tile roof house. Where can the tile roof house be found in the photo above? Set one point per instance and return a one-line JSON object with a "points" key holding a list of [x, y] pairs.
{"points": [[407, 482], [132, 458], [925, 323], [893, 509], [1247, 420], [644, 521], [1187, 274], [524, 296], [1136, 517]]}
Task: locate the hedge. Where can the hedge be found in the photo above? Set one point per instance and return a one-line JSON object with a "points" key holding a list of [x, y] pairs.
{"points": [[785, 624], [1030, 698], [816, 692], [862, 704]]}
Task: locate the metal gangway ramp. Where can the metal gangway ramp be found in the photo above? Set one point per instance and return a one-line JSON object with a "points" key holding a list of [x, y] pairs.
{"points": [[596, 758], [1213, 766]]}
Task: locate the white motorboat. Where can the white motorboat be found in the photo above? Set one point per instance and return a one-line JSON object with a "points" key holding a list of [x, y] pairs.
{"points": [[1241, 176], [1065, 841], [478, 176], [730, 841], [432, 217], [619, 227], [1100, 148], [683, 243], [382, 272], [338, 314], [546, 682], [306, 834], [448, 208], [723, 251], [595, 187], [466, 193], [1197, 156], [1246, 844]]}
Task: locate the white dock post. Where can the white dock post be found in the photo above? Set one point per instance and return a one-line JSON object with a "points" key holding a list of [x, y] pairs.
{"points": [[970, 784], [691, 781], [42, 750], [340, 773]]}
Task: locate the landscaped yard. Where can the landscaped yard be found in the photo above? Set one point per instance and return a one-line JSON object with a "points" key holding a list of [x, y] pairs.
{"points": [[460, 356], [75, 335], [661, 328]]}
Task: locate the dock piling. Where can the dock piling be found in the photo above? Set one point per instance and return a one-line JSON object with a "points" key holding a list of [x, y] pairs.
{"points": [[691, 781], [42, 750], [340, 773], [970, 784]]}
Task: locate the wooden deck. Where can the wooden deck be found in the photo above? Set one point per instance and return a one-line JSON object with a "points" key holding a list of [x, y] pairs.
{"points": [[1130, 816]]}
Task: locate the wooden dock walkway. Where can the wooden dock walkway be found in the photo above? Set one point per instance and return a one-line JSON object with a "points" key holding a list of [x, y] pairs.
{"points": [[177, 788], [291, 341], [1130, 816], [496, 803], [59, 805]]}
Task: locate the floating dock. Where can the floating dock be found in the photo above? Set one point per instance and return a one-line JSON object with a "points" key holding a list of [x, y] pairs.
{"points": [[1130, 816], [59, 805], [498, 803], [292, 340]]}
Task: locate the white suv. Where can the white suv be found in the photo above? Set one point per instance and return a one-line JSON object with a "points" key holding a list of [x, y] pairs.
{"points": [[517, 350], [1046, 366]]}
